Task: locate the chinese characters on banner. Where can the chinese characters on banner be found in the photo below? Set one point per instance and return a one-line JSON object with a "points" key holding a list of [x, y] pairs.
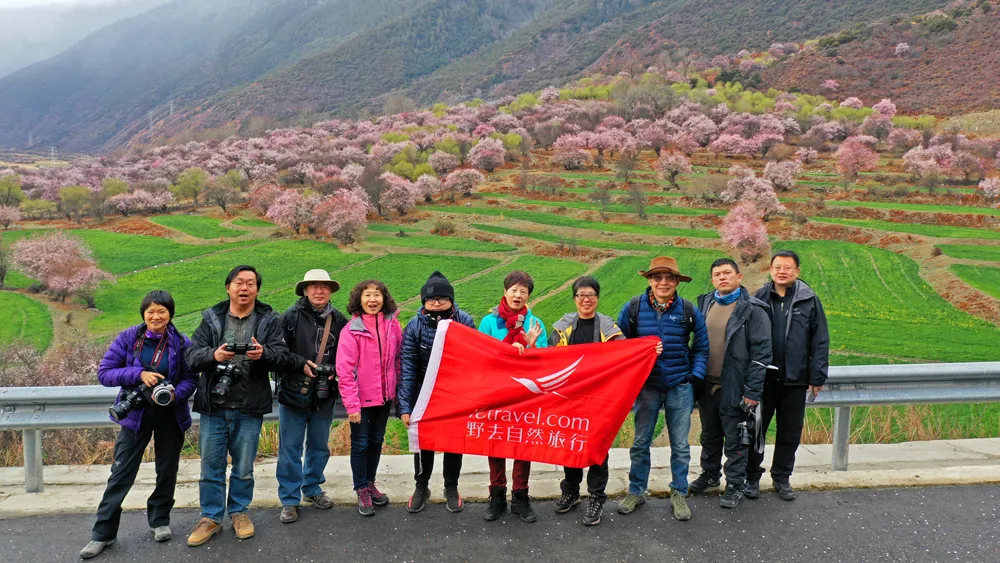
{"points": [[555, 405]]}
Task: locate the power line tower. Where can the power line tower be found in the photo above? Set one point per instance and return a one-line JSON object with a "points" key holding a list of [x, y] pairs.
{"points": [[53, 153]]}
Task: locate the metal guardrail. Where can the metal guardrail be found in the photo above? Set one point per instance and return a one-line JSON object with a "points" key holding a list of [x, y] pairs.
{"points": [[33, 409]]}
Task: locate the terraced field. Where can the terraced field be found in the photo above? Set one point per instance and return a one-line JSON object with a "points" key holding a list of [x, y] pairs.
{"points": [[614, 207], [24, 319], [970, 252], [196, 226], [890, 205], [457, 244], [983, 278], [940, 231]]}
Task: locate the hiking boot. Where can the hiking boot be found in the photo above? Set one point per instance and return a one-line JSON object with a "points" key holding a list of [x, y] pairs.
{"points": [[365, 506], [162, 533], [242, 525], [731, 497], [702, 483], [289, 514], [378, 497], [94, 548], [628, 504], [203, 531], [520, 504], [681, 510], [567, 502], [321, 501], [752, 490], [784, 489], [419, 499], [497, 505], [453, 500], [595, 509]]}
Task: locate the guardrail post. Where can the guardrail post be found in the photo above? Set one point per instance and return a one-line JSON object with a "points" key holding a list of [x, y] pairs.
{"points": [[33, 480], [841, 437]]}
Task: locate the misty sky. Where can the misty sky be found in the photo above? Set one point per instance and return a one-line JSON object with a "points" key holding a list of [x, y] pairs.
{"points": [[23, 3]]}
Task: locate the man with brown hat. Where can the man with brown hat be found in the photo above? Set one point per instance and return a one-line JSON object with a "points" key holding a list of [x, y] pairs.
{"points": [[306, 393], [662, 313]]}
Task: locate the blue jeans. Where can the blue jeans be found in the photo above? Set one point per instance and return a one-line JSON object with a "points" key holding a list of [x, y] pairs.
{"points": [[366, 444], [677, 404], [227, 432], [295, 477]]}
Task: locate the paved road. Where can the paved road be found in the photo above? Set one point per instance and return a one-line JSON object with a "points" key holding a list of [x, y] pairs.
{"points": [[900, 525]]}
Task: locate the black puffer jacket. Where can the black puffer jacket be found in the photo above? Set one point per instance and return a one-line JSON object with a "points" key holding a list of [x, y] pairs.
{"points": [[418, 339], [807, 338], [748, 349], [302, 328]]}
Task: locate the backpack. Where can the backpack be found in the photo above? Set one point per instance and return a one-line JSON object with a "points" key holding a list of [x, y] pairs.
{"points": [[633, 315]]}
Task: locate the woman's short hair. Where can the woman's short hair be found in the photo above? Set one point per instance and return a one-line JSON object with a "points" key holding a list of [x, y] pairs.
{"points": [[519, 277], [354, 306], [159, 297], [586, 281]]}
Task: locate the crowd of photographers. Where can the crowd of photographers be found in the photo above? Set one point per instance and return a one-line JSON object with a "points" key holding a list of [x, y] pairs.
{"points": [[742, 358]]}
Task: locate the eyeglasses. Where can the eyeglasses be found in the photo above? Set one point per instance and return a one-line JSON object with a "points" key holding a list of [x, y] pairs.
{"points": [[663, 277], [784, 268], [247, 284], [439, 300], [586, 296]]}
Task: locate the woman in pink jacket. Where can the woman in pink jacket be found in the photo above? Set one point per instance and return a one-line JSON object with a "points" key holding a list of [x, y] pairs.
{"points": [[367, 367]]}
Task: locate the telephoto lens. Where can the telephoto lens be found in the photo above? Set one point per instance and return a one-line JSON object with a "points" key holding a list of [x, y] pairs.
{"points": [[129, 402], [323, 373], [228, 372]]}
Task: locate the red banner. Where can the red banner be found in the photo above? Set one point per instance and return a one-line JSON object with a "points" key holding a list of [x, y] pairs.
{"points": [[560, 405]]}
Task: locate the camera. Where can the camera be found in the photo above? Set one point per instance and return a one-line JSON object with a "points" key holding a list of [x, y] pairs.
{"points": [[129, 402], [227, 373], [240, 349], [748, 426], [162, 394], [322, 381]]}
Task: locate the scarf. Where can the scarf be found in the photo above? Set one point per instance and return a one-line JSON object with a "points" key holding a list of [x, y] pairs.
{"points": [[661, 308], [513, 321], [324, 312], [727, 299], [434, 317]]}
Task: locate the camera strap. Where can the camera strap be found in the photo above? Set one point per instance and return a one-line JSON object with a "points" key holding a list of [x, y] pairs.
{"points": [[322, 343], [157, 354]]}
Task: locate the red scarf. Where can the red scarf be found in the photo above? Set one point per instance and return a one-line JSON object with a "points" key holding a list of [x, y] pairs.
{"points": [[514, 321]]}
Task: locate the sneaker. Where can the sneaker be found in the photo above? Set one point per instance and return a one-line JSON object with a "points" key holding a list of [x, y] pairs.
{"points": [[630, 503], [289, 514], [752, 490], [520, 504], [419, 499], [378, 497], [365, 507], [784, 489], [162, 533], [453, 500], [681, 510], [595, 508], [203, 531], [567, 502], [94, 548], [731, 497], [321, 501], [497, 505], [242, 525], [703, 483]]}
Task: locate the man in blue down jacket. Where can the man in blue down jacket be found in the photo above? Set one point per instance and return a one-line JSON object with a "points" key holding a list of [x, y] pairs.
{"points": [[662, 313], [438, 299]]}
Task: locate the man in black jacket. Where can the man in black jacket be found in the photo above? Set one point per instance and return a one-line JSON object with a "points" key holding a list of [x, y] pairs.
{"points": [[801, 345], [739, 351], [239, 340], [306, 393]]}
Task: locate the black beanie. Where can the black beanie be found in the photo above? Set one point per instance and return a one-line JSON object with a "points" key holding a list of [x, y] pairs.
{"points": [[437, 286]]}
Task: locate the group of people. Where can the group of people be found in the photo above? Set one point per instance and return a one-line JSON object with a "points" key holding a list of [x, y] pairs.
{"points": [[727, 352]]}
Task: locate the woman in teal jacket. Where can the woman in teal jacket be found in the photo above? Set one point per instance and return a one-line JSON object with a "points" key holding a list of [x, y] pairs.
{"points": [[513, 323]]}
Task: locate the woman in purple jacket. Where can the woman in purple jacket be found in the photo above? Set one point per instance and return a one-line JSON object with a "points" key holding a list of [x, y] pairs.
{"points": [[143, 357]]}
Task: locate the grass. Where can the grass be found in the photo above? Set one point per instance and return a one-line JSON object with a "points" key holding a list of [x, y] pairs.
{"points": [[659, 192], [983, 278], [197, 284], [926, 208], [24, 319], [875, 302], [435, 242], [251, 222], [905, 423], [563, 221], [940, 231], [390, 228], [196, 225], [567, 239], [969, 252], [614, 207]]}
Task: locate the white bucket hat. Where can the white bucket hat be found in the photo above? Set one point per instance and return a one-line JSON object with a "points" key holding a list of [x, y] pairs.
{"points": [[316, 276]]}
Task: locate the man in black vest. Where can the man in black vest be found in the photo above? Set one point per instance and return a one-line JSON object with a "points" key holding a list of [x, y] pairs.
{"points": [[306, 393]]}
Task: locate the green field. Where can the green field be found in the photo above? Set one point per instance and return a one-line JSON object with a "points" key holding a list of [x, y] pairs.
{"points": [[390, 228], [563, 221], [889, 205], [876, 303], [613, 207], [24, 319], [983, 278], [970, 252], [196, 226], [941, 231], [252, 222], [457, 244], [567, 239]]}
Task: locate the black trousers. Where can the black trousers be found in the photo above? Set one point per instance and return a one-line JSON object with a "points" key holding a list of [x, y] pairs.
{"points": [[423, 466], [719, 432], [597, 480], [158, 421], [788, 405]]}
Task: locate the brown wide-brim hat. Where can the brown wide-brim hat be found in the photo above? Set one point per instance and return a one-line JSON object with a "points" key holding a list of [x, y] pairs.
{"points": [[316, 276], [662, 265]]}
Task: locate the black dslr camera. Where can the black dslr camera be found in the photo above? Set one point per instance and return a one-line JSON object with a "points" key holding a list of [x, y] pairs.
{"points": [[227, 373], [161, 395], [748, 426], [240, 349], [322, 381]]}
